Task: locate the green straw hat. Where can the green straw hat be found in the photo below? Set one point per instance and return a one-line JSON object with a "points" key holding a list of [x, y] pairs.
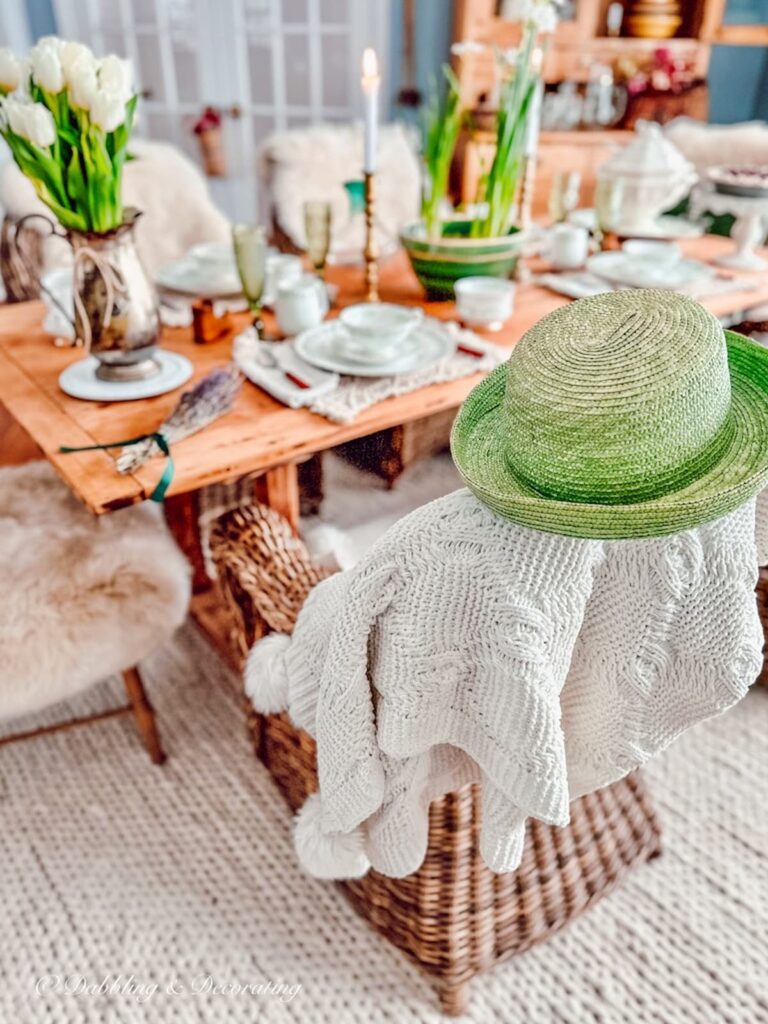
{"points": [[628, 414]]}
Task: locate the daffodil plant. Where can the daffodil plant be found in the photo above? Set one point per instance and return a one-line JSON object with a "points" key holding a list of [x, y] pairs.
{"points": [[67, 118], [521, 73]]}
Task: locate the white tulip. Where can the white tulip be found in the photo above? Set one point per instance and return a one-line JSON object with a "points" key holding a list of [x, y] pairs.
{"points": [[10, 70], [15, 113], [116, 75], [31, 121], [81, 79], [76, 54], [46, 67], [107, 109], [55, 43], [41, 128]]}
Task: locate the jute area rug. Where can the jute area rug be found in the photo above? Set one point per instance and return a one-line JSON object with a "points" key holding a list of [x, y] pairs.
{"points": [[133, 893]]}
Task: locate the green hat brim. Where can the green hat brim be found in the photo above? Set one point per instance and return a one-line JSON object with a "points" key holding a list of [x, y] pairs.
{"points": [[477, 446]]}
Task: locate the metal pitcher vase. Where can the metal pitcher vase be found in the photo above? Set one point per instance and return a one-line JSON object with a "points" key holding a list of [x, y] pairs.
{"points": [[116, 308], [116, 313]]}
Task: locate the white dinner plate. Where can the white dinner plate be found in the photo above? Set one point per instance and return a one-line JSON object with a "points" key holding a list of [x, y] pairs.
{"points": [[80, 381], [631, 271], [192, 277], [323, 346]]}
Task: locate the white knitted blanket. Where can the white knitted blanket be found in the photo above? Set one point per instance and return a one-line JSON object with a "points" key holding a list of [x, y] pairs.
{"points": [[464, 649]]}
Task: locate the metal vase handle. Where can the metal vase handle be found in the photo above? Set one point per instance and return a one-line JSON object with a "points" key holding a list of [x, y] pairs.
{"points": [[34, 271]]}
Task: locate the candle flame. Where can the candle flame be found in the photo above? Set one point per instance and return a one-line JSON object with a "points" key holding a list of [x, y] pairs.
{"points": [[370, 64]]}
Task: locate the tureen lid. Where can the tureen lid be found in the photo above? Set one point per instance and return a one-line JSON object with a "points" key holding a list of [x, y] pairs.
{"points": [[649, 153]]}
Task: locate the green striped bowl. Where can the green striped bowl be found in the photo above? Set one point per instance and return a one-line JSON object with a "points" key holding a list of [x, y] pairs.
{"points": [[440, 262]]}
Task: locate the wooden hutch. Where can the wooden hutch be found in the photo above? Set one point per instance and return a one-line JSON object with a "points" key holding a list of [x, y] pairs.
{"points": [[578, 44]]}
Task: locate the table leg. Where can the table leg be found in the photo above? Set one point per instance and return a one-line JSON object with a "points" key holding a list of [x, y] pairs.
{"points": [[182, 513], [279, 488]]}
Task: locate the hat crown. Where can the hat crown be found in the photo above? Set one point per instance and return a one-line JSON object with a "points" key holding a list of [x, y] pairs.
{"points": [[617, 398]]}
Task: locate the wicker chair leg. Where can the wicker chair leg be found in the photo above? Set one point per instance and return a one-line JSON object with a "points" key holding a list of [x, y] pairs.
{"points": [[454, 999], [144, 714]]}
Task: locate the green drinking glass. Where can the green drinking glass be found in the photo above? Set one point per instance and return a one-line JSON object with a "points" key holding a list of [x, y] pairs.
{"points": [[250, 245], [317, 228]]}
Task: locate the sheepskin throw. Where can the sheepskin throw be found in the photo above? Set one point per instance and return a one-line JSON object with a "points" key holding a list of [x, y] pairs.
{"points": [[314, 162], [464, 648], [82, 597]]}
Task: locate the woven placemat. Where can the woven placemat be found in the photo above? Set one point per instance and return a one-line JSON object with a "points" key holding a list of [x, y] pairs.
{"points": [[354, 394]]}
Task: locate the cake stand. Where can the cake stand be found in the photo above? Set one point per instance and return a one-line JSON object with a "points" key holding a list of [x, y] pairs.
{"points": [[749, 230]]}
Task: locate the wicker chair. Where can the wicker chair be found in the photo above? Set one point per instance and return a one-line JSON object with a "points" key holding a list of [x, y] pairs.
{"points": [[454, 917]]}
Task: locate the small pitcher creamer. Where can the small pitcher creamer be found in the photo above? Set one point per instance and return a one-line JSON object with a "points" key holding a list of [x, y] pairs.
{"points": [[301, 304]]}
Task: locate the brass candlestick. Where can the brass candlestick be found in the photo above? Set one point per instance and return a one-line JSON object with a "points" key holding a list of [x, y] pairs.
{"points": [[370, 253]]}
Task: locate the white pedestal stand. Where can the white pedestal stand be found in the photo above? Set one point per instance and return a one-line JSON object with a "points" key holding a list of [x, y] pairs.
{"points": [[751, 213]]}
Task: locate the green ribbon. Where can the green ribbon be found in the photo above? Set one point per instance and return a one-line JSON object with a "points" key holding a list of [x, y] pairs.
{"points": [[162, 443]]}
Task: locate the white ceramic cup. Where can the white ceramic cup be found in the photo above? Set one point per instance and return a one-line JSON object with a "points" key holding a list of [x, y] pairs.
{"points": [[282, 269], [484, 302], [568, 246], [374, 331], [661, 253], [301, 304]]}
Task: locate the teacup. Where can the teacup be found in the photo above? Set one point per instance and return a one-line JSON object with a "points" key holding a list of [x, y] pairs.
{"points": [[661, 253], [568, 246], [374, 331], [215, 262], [484, 302], [301, 304]]}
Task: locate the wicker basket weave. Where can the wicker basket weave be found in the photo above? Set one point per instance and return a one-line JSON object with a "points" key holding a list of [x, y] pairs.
{"points": [[762, 607], [454, 917]]}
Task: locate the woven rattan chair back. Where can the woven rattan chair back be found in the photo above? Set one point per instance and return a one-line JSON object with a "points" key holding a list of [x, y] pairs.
{"points": [[454, 917]]}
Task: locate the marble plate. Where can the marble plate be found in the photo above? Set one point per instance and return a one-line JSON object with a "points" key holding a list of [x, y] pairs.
{"points": [[80, 381], [323, 346]]}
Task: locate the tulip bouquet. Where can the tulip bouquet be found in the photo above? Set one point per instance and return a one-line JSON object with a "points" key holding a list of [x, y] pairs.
{"points": [[67, 118]]}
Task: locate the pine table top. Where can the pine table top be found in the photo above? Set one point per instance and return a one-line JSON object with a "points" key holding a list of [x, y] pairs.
{"points": [[260, 433]]}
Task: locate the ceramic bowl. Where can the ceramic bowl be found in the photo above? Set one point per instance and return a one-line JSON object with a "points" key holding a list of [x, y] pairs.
{"points": [[376, 330], [440, 262], [484, 302]]}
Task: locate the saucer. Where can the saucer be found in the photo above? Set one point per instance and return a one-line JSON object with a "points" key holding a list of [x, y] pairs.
{"points": [[80, 381], [621, 269], [323, 346], [666, 228]]}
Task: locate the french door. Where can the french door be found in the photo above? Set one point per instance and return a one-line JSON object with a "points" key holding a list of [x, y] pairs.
{"points": [[266, 64]]}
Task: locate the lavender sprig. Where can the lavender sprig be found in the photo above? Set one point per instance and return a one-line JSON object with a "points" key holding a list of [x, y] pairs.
{"points": [[212, 397]]}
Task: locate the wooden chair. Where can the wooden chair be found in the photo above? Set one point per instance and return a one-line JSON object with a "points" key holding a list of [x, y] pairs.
{"points": [[82, 599], [453, 917]]}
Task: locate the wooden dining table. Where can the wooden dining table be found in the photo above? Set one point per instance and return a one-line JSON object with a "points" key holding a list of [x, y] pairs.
{"points": [[260, 435]]}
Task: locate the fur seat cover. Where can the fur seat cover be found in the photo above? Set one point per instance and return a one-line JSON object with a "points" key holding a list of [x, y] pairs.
{"points": [[313, 163], [81, 597]]}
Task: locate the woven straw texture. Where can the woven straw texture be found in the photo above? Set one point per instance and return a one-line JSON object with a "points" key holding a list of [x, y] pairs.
{"points": [[112, 865], [620, 415]]}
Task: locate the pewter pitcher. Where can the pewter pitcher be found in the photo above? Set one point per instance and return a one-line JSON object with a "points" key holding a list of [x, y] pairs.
{"points": [[116, 312], [116, 308]]}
